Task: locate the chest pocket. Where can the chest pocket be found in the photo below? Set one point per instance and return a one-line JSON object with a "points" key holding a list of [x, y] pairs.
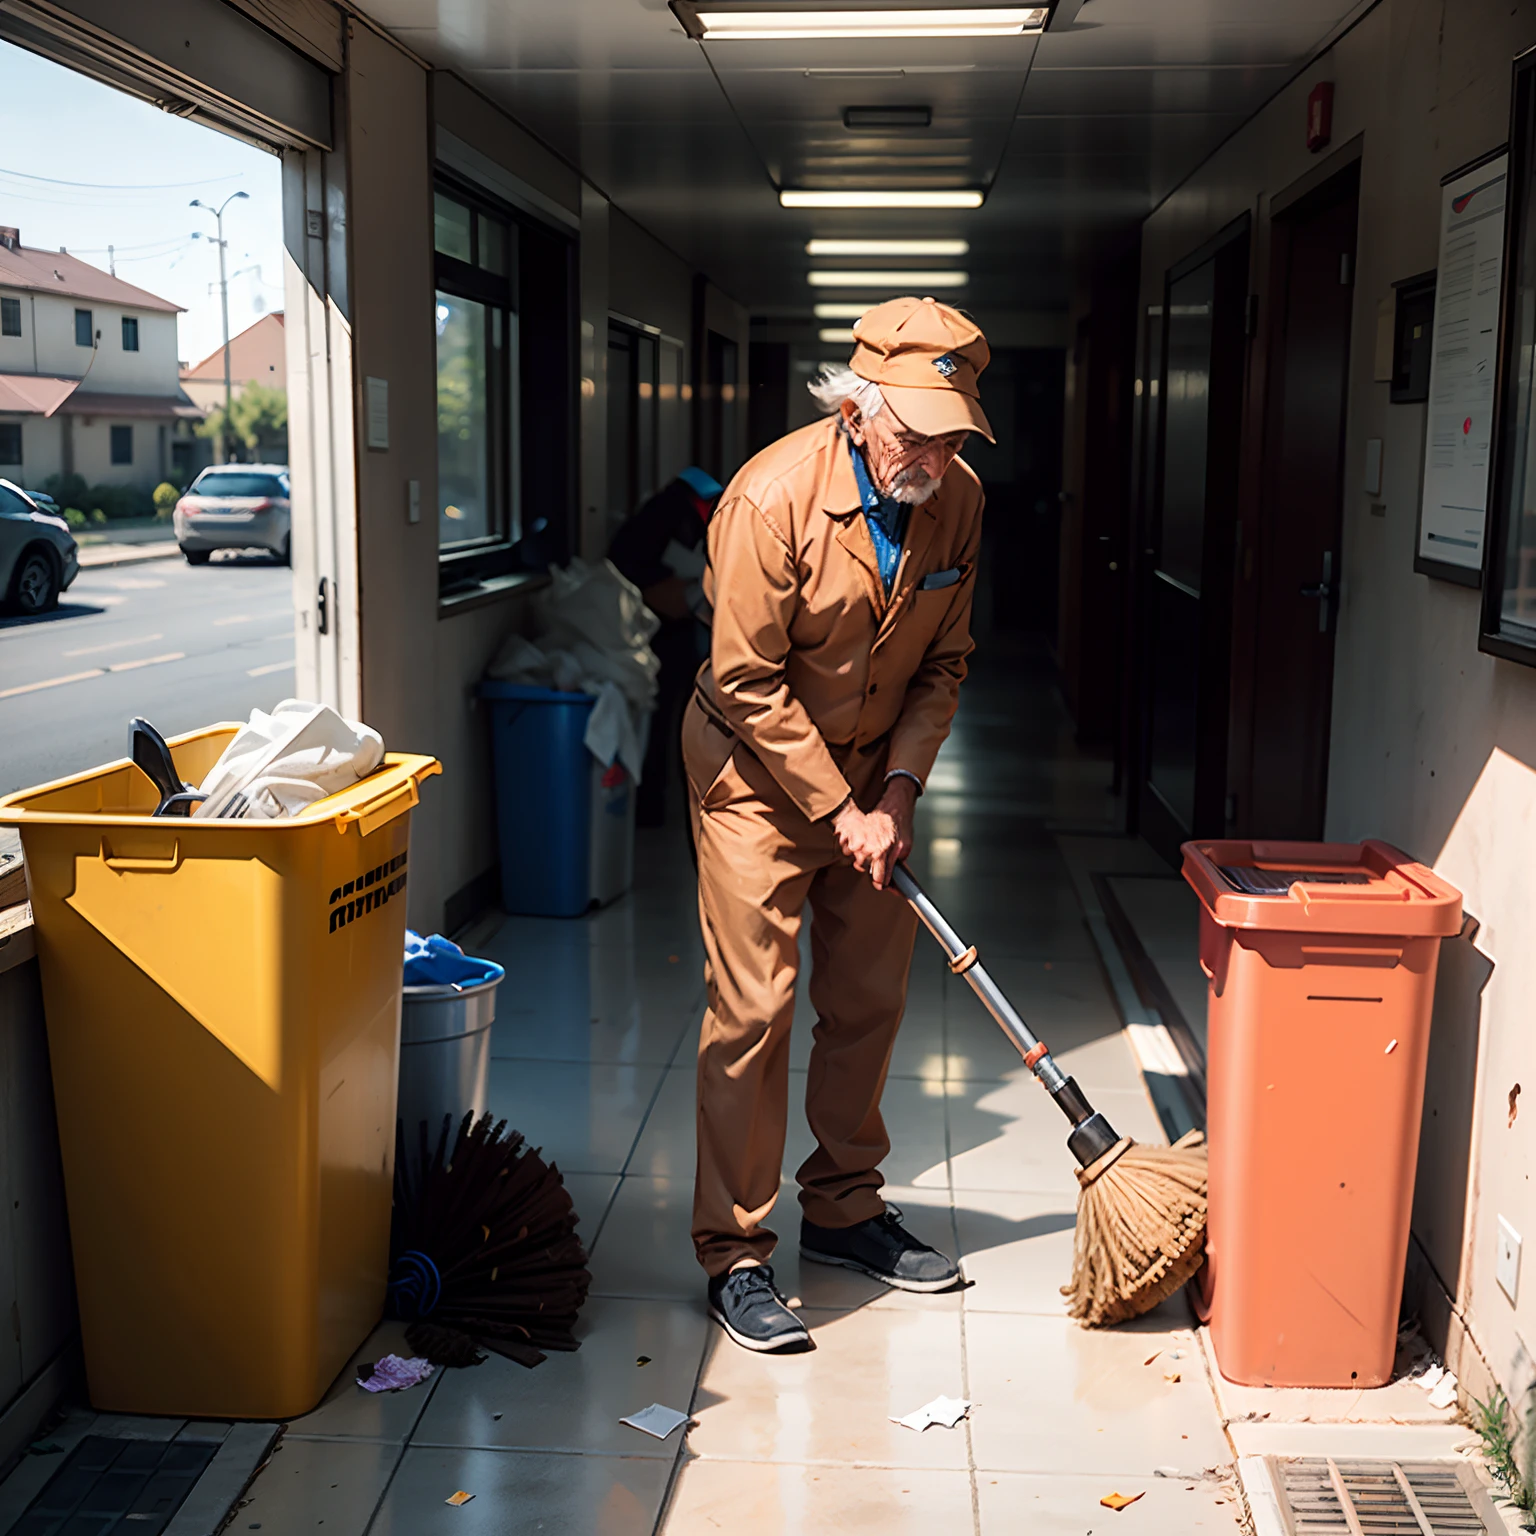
{"points": [[922, 611]]}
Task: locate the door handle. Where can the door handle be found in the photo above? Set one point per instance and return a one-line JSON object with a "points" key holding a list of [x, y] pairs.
{"points": [[1322, 591], [323, 607]]}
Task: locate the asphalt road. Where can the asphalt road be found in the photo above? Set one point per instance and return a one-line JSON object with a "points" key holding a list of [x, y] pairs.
{"points": [[182, 647]]}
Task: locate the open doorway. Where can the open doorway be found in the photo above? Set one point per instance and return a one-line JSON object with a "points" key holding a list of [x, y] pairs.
{"points": [[143, 350]]}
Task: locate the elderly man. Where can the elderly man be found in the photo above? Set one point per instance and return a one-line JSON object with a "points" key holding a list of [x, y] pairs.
{"points": [[842, 562]]}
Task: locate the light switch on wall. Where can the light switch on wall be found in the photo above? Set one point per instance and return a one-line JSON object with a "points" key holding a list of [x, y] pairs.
{"points": [[413, 501], [1506, 1267], [1373, 466]]}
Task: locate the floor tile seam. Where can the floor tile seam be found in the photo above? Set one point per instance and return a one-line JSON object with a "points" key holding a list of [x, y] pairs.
{"points": [[389, 1483], [965, 1364], [822, 1464], [400, 1440], [982, 1311], [961, 1190], [521, 1449], [1099, 1469], [602, 1220], [670, 1492]]}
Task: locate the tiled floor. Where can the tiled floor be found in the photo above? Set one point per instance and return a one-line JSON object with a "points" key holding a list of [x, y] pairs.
{"points": [[593, 1061]]}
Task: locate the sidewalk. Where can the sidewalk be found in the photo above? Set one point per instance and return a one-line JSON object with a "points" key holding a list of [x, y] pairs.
{"points": [[99, 556]]}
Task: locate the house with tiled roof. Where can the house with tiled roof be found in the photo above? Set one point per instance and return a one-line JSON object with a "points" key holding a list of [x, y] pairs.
{"points": [[88, 372], [256, 356]]}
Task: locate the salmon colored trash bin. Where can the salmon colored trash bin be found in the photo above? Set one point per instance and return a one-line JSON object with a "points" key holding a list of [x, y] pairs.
{"points": [[223, 1010], [1321, 961]]}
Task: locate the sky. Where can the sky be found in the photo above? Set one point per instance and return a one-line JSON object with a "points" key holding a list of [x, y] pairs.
{"points": [[85, 166]]}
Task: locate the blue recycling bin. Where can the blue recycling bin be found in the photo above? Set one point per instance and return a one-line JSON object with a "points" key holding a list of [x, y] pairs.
{"points": [[565, 823]]}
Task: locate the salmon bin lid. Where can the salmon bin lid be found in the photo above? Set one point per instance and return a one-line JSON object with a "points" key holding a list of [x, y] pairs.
{"points": [[1365, 888]]}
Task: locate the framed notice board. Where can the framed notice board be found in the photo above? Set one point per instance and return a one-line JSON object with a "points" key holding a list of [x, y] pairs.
{"points": [[1458, 439], [1509, 581]]}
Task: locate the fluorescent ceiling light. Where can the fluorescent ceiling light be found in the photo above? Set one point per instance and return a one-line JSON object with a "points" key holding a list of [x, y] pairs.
{"points": [[917, 281], [760, 24], [800, 198], [840, 311], [833, 334], [887, 247]]}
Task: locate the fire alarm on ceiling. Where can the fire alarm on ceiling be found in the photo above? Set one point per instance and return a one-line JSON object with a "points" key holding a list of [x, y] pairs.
{"points": [[1320, 115]]}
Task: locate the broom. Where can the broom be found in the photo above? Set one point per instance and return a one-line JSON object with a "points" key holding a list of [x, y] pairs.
{"points": [[1141, 1210], [483, 1248]]}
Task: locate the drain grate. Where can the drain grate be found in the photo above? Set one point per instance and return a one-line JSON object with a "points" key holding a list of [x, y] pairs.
{"points": [[1324, 1497], [113, 1487]]}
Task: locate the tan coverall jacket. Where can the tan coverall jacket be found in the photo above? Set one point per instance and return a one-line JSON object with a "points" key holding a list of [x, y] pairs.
{"points": [[818, 687]]}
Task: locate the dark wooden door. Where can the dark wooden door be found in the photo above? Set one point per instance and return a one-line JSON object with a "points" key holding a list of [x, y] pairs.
{"points": [[1187, 604], [1295, 574]]}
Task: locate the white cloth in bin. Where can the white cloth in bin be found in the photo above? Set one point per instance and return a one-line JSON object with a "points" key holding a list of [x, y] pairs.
{"points": [[277, 764], [592, 635]]}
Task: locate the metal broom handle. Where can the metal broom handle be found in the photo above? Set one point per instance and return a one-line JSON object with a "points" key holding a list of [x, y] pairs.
{"points": [[963, 962]]}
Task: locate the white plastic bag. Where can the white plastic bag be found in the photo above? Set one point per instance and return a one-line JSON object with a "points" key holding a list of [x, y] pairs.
{"points": [[600, 617], [594, 635], [277, 764]]}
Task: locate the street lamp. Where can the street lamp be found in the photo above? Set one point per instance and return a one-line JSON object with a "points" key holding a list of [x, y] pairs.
{"points": [[222, 243]]}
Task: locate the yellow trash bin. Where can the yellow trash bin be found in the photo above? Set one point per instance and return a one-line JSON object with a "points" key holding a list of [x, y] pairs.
{"points": [[223, 1006]]}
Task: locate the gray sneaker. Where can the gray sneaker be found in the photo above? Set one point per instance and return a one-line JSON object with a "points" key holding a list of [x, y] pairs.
{"points": [[881, 1247], [747, 1304]]}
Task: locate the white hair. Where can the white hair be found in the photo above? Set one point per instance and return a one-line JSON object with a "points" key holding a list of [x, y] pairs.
{"points": [[836, 383]]}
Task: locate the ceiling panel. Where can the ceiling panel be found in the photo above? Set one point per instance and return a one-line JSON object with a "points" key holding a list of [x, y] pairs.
{"points": [[1136, 32], [644, 98], [1076, 134], [1149, 88]]}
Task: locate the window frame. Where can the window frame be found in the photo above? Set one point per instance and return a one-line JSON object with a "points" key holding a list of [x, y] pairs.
{"points": [[130, 321], [10, 305], [89, 317], [112, 441], [471, 560], [7, 427], [1510, 455], [641, 347], [542, 387]]}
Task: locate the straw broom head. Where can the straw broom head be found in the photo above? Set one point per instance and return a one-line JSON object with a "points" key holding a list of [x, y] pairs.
{"points": [[1140, 1228]]}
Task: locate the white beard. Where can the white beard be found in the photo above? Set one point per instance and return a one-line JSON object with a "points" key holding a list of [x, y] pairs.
{"points": [[912, 488]]}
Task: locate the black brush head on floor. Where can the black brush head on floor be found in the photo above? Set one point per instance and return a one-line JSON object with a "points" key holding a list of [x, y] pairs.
{"points": [[483, 1251]]}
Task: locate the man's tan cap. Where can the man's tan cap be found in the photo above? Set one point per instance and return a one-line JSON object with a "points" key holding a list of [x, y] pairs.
{"points": [[925, 357]]}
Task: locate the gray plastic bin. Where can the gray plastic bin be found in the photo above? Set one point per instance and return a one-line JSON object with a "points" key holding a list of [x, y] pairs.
{"points": [[445, 1053]]}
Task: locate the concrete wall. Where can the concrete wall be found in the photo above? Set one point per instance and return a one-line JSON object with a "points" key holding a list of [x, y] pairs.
{"points": [[47, 345], [37, 1284], [92, 449], [41, 448], [646, 281], [1433, 743], [420, 662]]}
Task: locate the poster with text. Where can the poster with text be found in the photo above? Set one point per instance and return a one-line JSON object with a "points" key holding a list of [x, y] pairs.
{"points": [[1459, 439]]}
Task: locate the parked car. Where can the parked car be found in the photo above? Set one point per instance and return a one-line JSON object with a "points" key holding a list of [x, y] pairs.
{"points": [[234, 506], [38, 557]]}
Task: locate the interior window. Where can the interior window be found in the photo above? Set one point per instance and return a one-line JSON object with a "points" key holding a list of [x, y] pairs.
{"points": [[475, 319]]}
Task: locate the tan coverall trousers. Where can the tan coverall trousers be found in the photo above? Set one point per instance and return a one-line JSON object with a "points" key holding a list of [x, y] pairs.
{"points": [[760, 861]]}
